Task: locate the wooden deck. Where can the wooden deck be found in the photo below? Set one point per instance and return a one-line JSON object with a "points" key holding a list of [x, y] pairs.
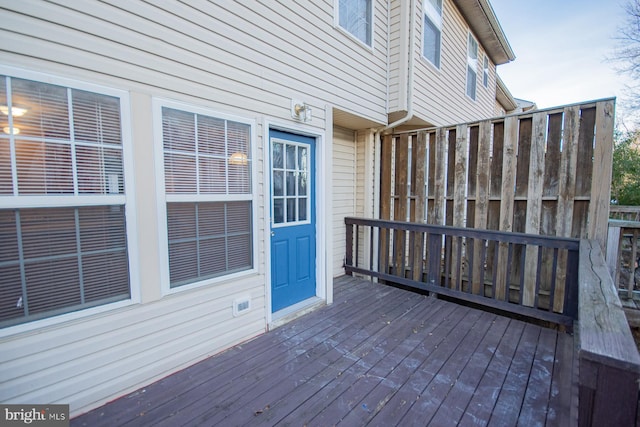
{"points": [[379, 356]]}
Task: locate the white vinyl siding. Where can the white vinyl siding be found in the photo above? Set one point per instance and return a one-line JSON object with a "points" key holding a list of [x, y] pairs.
{"points": [[207, 181], [62, 222], [236, 58], [440, 95], [344, 191]]}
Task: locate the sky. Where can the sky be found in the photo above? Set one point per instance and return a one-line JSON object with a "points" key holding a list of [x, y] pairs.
{"points": [[562, 49]]}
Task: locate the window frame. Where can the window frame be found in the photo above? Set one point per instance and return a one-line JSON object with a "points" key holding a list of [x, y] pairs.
{"points": [[468, 63], [346, 31], [434, 17], [127, 200], [485, 71], [162, 199]]}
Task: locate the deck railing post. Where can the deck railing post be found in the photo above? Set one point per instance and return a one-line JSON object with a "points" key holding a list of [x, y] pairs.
{"points": [[434, 255], [349, 248]]}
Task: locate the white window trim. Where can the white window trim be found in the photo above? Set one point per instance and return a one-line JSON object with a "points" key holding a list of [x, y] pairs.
{"points": [[485, 71], [127, 200], [336, 24], [436, 18], [163, 238]]}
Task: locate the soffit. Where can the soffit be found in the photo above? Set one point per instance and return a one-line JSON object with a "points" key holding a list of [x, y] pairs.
{"points": [[483, 22]]}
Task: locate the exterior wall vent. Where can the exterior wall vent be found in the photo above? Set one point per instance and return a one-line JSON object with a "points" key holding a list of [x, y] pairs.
{"points": [[241, 306]]}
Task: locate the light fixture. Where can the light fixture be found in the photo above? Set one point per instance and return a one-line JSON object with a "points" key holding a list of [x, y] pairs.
{"points": [[239, 159], [15, 111], [7, 130], [301, 110]]}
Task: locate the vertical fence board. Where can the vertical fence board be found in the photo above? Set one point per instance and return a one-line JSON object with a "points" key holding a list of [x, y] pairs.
{"points": [[401, 199], [584, 154], [601, 181], [566, 191], [524, 153], [459, 198], [506, 206], [385, 201], [481, 202], [431, 178], [496, 160], [534, 201], [439, 175], [495, 187], [552, 156], [420, 153]]}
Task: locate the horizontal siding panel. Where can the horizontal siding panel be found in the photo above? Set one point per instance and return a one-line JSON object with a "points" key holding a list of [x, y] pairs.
{"points": [[440, 96], [320, 72], [58, 337], [149, 342], [344, 161], [137, 369], [154, 343]]}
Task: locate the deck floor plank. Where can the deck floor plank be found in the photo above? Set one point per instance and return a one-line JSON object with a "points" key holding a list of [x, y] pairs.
{"points": [[453, 407], [378, 356], [279, 365], [536, 400], [512, 393], [351, 340], [336, 388]]}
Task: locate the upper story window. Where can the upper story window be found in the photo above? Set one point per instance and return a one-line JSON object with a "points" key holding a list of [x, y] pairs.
{"points": [[472, 67], [208, 195], [485, 75], [432, 31], [356, 16], [63, 228]]}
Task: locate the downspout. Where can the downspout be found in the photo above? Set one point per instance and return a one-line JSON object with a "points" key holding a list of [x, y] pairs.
{"points": [[377, 142], [377, 136]]}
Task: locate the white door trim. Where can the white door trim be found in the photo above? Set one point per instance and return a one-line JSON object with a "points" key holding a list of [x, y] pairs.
{"points": [[324, 238]]}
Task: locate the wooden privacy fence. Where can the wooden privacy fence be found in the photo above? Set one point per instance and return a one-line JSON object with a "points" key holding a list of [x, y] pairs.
{"points": [[624, 213], [544, 173], [429, 257]]}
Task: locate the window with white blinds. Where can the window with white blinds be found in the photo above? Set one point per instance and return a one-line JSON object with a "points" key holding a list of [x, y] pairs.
{"points": [[69, 252], [432, 31], [356, 16], [207, 174]]}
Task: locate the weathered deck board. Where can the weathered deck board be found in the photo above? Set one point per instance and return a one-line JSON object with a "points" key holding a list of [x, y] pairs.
{"points": [[377, 356]]}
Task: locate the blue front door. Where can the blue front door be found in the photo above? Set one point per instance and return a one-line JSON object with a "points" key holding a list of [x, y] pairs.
{"points": [[293, 223]]}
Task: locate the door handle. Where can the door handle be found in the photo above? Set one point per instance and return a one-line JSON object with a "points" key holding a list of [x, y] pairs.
{"points": [[273, 233]]}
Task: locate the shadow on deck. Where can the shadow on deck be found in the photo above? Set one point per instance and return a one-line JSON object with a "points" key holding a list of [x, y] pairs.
{"points": [[378, 355]]}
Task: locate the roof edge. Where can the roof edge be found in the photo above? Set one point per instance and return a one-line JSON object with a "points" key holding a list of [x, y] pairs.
{"points": [[503, 95], [487, 28]]}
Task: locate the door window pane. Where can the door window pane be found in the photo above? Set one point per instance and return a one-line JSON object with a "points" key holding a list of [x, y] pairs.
{"points": [[290, 183]]}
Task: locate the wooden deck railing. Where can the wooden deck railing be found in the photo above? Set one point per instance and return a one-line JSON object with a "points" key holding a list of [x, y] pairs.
{"points": [[479, 266], [608, 358], [624, 213], [623, 252], [534, 276]]}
